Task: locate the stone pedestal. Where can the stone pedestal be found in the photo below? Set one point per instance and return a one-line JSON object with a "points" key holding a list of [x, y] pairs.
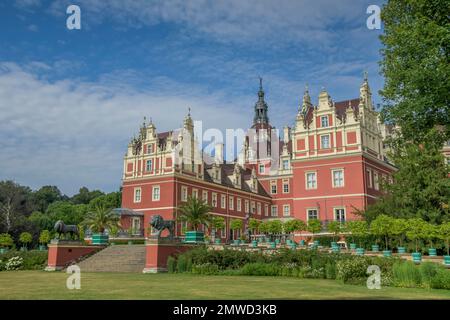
{"points": [[62, 252], [157, 252]]}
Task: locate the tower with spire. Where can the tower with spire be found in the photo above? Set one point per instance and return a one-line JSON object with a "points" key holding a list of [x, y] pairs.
{"points": [[261, 108]]}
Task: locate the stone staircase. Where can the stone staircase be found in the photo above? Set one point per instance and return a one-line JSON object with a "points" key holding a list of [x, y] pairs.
{"points": [[116, 258]]}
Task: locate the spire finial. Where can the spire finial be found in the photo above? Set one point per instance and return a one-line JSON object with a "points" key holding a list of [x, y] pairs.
{"points": [[189, 111], [260, 83], [306, 87], [366, 75]]}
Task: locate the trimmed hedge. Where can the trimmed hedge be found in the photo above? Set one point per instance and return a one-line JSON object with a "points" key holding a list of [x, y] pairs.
{"points": [[32, 260]]}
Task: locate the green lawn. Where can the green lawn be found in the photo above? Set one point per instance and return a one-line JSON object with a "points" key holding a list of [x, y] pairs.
{"points": [[52, 285]]}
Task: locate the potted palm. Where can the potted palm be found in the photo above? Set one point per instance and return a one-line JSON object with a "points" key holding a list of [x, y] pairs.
{"points": [[195, 213], [444, 234], [25, 238], [314, 226], [398, 230], [217, 223], [430, 233], [6, 242], [44, 238], [335, 228], [360, 230], [414, 232], [382, 227], [236, 224], [98, 220]]}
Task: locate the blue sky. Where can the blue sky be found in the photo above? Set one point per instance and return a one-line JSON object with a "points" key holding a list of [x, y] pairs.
{"points": [[71, 99]]}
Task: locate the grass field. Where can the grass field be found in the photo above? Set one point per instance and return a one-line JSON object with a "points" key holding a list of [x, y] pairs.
{"points": [[52, 285]]}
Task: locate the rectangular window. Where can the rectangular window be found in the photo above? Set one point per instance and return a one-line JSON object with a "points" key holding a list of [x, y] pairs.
{"points": [[266, 210], [339, 214], [214, 200], [205, 196], [195, 193], [258, 208], [285, 186], [311, 180], [338, 178], [274, 211], [261, 168], [239, 204], [149, 165], [223, 202], [156, 193], [137, 194], [286, 210], [285, 164], [369, 178], [150, 148], [246, 206], [376, 182], [184, 193], [325, 141], [273, 187], [231, 203], [313, 214], [252, 207], [324, 121]]}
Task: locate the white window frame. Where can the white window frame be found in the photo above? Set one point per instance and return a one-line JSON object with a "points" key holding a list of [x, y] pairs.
{"points": [[214, 201], [231, 203], [205, 196], [283, 164], [312, 209], [150, 147], [274, 210], [321, 141], [333, 179], [136, 198], [288, 207], [376, 181], [273, 184], [184, 193], [314, 181], [322, 118], [252, 207], [258, 208], [286, 183], [335, 214], [266, 210], [147, 166], [195, 193], [247, 206], [239, 204], [263, 168], [223, 201], [154, 188], [369, 182]]}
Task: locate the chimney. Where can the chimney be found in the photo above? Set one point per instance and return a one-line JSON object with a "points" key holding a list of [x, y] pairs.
{"points": [[218, 153]]}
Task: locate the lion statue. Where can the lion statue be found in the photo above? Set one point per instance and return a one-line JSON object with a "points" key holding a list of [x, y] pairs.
{"points": [[61, 228], [159, 224]]}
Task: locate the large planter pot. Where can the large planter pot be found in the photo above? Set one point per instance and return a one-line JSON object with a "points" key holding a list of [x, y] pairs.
{"points": [[288, 241], [334, 244], [401, 250], [302, 242], [236, 242], [352, 246], [316, 242], [254, 243], [375, 248], [3, 250], [273, 245], [336, 249], [100, 239], [432, 252], [23, 249], [277, 241], [447, 261], [387, 253], [293, 246], [42, 247], [416, 257], [360, 251], [194, 237], [218, 241]]}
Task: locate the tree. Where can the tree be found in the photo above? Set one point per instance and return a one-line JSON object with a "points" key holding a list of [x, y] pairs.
{"points": [[6, 240], [100, 219], [195, 212], [314, 226], [45, 196], [416, 67], [444, 234], [358, 228], [264, 227], [253, 224], [382, 227], [44, 237], [398, 230], [68, 212], [84, 196], [217, 223], [14, 204], [335, 228], [275, 227], [430, 233], [414, 230], [294, 225], [110, 200], [25, 238], [236, 224]]}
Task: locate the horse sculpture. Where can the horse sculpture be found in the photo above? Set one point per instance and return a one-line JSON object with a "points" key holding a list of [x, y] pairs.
{"points": [[159, 224], [61, 228]]}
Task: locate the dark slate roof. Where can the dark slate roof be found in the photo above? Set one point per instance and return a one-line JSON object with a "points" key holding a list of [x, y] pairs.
{"points": [[127, 212], [342, 106]]}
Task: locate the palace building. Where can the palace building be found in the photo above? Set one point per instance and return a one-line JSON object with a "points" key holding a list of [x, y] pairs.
{"points": [[327, 167]]}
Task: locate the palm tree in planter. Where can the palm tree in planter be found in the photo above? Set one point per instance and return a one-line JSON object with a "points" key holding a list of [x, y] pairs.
{"points": [[25, 238], [6, 242], [99, 220], [195, 213], [382, 227], [414, 232], [217, 223], [314, 226], [398, 230], [44, 239], [236, 224], [444, 234]]}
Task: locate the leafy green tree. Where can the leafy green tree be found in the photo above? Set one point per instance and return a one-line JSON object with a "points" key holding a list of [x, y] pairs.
{"points": [[358, 228], [253, 224], [314, 226], [100, 219], [6, 240], [444, 234], [264, 227], [430, 233], [416, 67], [293, 225], [382, 227], [236, 224], [217, 223], [25, 238], [335, 228], [45, 196], [110, 200], [41, 220], [14, 205], [68, 212], [195, 212], [398, 230], [275, 227], [415, 231], [44, 237], [84, 196]]}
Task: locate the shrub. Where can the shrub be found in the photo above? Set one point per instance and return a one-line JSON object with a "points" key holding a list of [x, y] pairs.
{"points": [[32, 260], [14, 263], [25, 238], [406, 274], [441, 280], [44, 237], [352, 270], [260, 269], [171, 264], [330, 271], [206, 268], [182, 264], [6, 240], [428, 270]]}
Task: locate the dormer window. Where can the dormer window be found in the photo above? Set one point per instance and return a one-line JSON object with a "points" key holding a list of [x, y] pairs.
{"points": [[324, 121], [150, 148], [285, 164], [261, 169]]}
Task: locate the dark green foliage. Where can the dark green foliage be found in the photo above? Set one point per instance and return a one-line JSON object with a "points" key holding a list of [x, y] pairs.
{"points": [[406, 274], [32, 260], [260, 269], [206, 269], [441, 280], [171, 265]]}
